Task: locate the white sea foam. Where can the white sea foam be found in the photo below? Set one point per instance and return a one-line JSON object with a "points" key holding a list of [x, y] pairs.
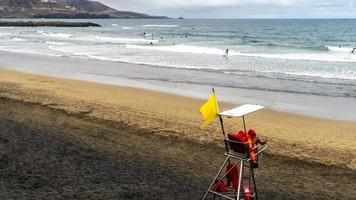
{"points": [[19, 39], [126, 27], [329, 75], [27, 51], [57, 43], [4, 34], [340, 49], [139, 62], [161, 25], [325, 57], [57, 35], [116, 40], [105, 55], [181, 49]]}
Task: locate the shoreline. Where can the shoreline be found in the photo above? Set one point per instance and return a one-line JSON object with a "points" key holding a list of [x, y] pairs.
{"points": [[133, 75], [324, 141]]}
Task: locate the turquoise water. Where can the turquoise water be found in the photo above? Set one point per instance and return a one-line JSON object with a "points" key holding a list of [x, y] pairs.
{"points": [[304, 56]]}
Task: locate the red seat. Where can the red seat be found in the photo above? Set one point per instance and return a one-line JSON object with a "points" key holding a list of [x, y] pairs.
{"points": [[239, 142]]}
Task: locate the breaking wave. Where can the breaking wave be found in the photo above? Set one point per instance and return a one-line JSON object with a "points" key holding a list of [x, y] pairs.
{"points": [[57, 43], [181, 49], [340, 49], [55, 35], [318, 56], [161, 25], [119, 40]]}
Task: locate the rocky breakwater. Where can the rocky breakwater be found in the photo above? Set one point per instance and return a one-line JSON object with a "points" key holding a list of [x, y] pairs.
{"points": [[47, 23]]}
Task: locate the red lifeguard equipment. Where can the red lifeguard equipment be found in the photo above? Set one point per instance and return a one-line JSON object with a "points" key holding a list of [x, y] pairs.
{"points": [[238, 180]]}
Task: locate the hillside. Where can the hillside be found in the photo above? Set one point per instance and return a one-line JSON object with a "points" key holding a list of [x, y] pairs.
{"points": [[64, 9]]}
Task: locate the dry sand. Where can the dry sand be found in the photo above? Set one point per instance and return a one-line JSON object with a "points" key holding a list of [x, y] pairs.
{"points": [[307, 156]]}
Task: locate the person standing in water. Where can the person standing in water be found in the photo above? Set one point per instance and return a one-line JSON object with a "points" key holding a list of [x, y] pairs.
{"points": [[226, 53]]}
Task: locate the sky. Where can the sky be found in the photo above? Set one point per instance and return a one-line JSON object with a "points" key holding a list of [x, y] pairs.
{"points": [[240, 8]]}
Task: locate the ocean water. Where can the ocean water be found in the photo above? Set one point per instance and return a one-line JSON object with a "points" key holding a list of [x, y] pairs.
{"points": [[301, 56]]}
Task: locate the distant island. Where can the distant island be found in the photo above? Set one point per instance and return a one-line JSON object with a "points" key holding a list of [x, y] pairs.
{"points": [[65, 9]]}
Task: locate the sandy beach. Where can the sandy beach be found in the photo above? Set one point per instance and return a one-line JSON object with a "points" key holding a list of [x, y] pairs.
{"points": [[66, 139]]}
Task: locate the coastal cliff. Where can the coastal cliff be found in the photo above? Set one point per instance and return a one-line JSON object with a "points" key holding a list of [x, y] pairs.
{"points": [[64, 9]]}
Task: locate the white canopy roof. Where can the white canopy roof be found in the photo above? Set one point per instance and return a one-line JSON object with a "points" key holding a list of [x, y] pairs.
{"points": [[242, 110]]}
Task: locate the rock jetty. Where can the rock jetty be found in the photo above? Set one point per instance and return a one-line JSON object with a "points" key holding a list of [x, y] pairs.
{"points": [[48, 23]]}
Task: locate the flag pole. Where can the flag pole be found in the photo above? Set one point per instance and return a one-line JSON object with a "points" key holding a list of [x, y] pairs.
{"points": [[221, 123]]}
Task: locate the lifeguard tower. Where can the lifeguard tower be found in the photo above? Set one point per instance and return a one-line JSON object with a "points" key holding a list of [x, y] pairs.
{"points": [[238, 178]]}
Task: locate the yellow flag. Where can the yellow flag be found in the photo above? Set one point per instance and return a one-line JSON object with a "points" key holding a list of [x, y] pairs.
{"points": [[210, 110]]}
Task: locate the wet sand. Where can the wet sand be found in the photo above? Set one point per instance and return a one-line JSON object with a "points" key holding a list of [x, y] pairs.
{"points": [[63, 139]]}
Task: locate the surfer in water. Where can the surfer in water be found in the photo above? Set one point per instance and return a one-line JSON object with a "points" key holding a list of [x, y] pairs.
{"points": [[226, 53], [353, 50]]}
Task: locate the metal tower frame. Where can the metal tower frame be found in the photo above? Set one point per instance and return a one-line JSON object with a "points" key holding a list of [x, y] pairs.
{"points": [[237, 154]]}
